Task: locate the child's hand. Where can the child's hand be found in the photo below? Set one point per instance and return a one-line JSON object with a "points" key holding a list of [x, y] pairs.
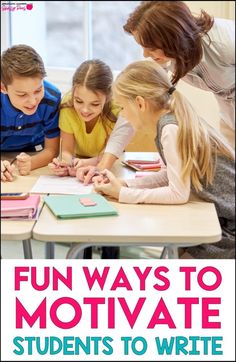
{"points": [[71, 171], [7, 171], [110, 185], [23, 163], [59, 168], [76, 162], [99, 178], [81, 162], [85, 174]]}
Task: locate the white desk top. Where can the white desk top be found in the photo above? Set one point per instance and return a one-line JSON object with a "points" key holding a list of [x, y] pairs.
{"points": [[138, 224], [194, 222]]}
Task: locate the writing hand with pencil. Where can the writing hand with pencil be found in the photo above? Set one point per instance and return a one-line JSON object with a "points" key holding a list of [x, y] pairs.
{"points": [[7, 170], [59, 168], [63, 165], [60, 165], [66, 167]]}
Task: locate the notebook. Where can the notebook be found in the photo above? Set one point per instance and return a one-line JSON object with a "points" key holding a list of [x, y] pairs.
{"points": [[79, 206], [25, 209], [143, 165]]}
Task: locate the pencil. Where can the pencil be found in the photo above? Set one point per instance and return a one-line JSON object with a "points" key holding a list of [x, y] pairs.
{"points": [[60, 150], [12, 161]]}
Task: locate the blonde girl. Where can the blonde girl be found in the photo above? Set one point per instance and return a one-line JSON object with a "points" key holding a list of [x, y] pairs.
{"points": [[198, 159], [88, 118]]}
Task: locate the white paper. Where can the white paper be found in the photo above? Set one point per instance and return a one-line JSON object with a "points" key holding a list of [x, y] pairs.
{"points": [[60, 185]]}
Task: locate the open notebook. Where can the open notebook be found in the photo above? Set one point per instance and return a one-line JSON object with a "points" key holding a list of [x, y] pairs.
{"points": [[73, 206]]}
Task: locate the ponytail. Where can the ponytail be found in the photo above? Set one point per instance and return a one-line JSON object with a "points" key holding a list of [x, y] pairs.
{"points": [[198, 143]]}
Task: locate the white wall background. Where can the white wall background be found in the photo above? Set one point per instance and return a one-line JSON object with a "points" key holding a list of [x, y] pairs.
{"points": [[221, 9]]}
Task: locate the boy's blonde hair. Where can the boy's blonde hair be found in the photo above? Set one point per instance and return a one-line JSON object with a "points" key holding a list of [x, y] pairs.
{"points": [[21, 61], [198, 143]]}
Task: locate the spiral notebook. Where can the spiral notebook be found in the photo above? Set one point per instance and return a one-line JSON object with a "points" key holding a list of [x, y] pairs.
{"points": [[79, 206]]}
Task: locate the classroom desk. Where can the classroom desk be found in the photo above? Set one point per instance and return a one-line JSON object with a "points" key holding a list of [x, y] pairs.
{"points": [[169, 226], [19, 230]]}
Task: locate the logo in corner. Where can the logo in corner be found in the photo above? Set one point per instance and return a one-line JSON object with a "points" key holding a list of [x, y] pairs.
{"points": [[29, 6], [14, 6]]}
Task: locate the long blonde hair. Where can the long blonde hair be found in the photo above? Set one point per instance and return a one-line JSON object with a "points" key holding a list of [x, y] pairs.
{"points": [[198, 143]]}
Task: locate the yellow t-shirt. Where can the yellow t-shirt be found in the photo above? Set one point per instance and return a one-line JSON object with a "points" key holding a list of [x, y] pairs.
{"points": [[87, 144]]}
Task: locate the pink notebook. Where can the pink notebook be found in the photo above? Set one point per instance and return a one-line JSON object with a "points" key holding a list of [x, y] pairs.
{"points": [[20, 209]]}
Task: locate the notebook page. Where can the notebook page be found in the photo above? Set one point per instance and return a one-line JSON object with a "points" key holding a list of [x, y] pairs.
{"points": [[60, 185]]}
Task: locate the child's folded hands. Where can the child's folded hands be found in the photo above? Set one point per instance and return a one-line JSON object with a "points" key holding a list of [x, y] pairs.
{"points": [[106, 183], [23, 163], [65, 168], [59, 168]]}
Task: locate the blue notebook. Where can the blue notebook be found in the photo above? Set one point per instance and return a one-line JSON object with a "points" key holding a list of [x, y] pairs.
{"points": [[78, 206]]}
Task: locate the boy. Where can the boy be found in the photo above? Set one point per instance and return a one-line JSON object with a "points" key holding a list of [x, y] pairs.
{"points": [[29, 111]]}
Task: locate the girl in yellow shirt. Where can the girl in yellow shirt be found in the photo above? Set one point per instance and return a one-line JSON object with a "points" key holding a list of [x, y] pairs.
{"points": [[87, 118]]}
